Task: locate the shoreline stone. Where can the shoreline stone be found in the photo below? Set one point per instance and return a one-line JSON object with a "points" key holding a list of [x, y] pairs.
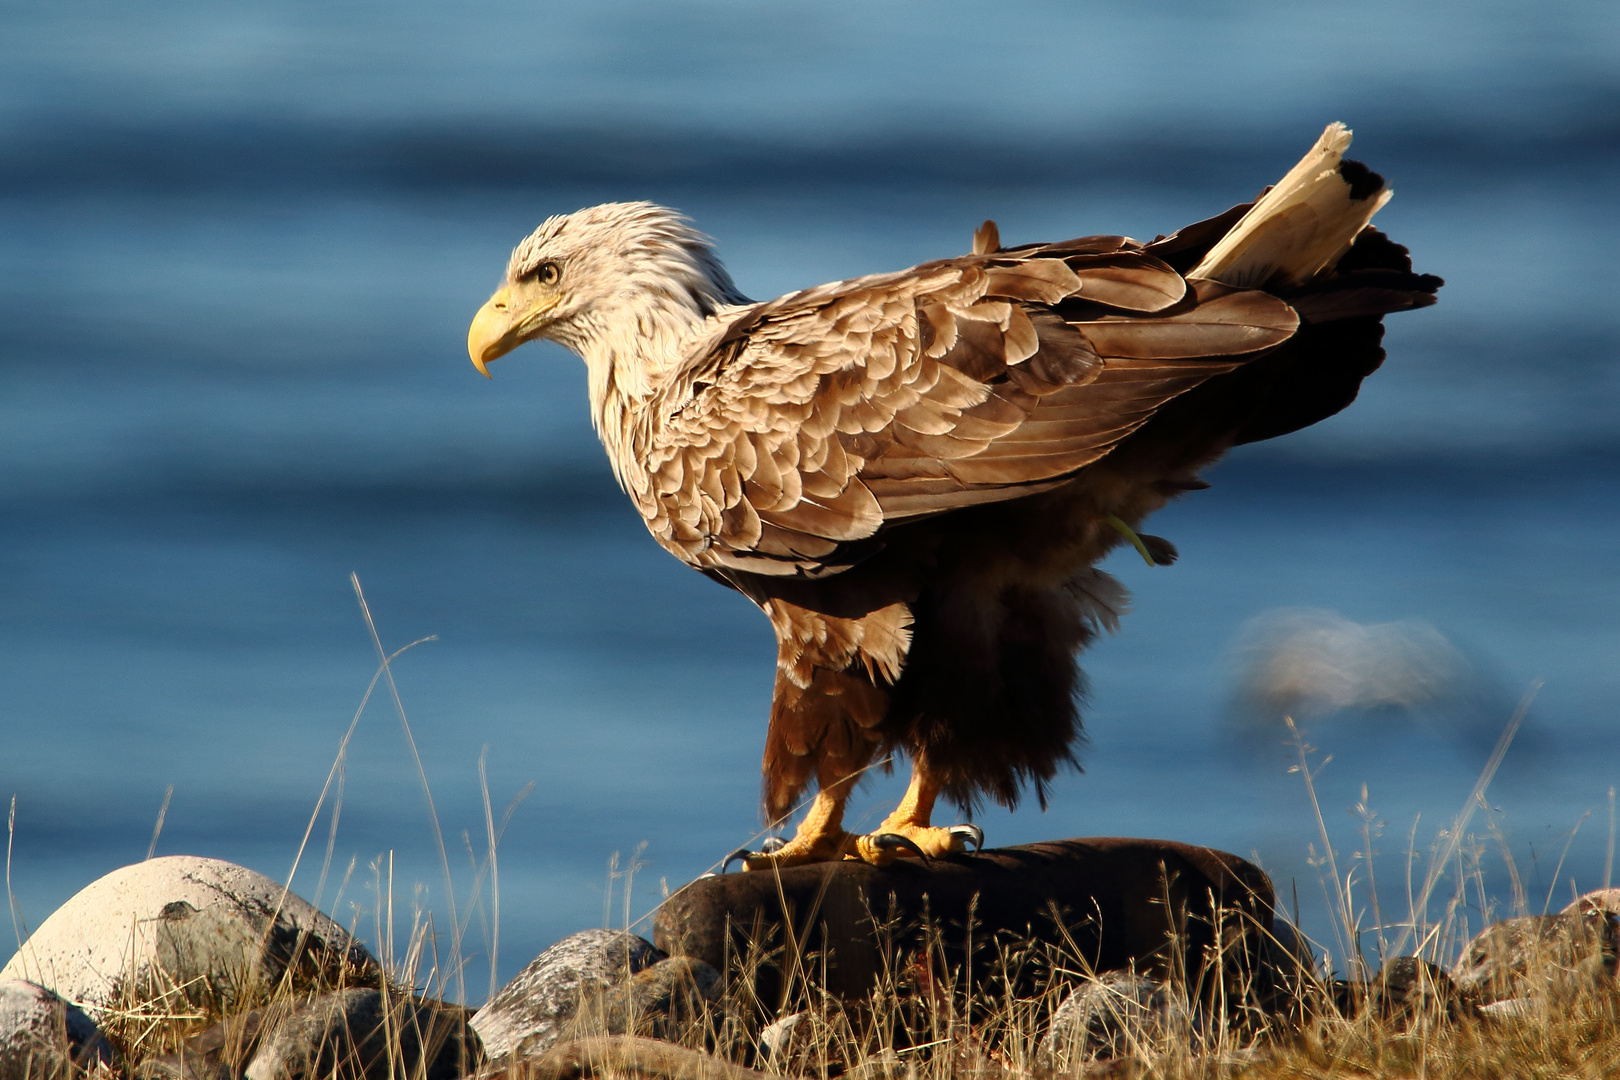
{"points": [[1596, 900], [1121, 902], [536, 1005], [185, 928], [1115, 1015], [366, 1035], [1518, 957], [43, 1035]]}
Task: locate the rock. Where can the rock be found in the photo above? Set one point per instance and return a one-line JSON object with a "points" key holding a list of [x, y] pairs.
{"points": [[1510, 1009], [365, 1035], [1405, 989], [539, 1001], [43, 1036], [1520, 957], [780, 1038], [650, 1002], [184, 930], [1113, 894], [1598, 900], [1117, 1014], [218, 1052], [1408, 987]]}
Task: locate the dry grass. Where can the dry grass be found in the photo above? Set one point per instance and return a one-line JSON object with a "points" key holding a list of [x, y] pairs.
{"points": [[923, 1020], [1256, 1005]]}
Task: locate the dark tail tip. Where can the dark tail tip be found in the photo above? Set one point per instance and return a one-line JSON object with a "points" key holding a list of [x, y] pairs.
{"points": [[1362, 180]]}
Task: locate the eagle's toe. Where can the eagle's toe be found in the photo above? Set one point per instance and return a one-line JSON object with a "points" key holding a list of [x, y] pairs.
{"points": [[884, 847], [916, 841], [778, 854]]}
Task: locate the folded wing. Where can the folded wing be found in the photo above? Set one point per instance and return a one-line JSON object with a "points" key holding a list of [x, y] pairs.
{"points": [[816, 420]]}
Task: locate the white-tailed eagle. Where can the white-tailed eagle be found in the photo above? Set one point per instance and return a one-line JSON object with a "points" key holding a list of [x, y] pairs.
{"points": [[915, 474]]}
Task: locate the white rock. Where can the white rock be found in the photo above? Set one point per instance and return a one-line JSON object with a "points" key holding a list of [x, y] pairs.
{"points": [[42, 1035], [204, 929]]}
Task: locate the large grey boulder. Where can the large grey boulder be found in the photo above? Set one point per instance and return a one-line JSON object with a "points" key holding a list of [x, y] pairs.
{"points": [[537, 1004], [186, 929], [42, 1036]]}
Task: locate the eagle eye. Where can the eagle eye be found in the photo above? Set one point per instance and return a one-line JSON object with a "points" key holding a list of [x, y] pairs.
{"points": [[547, 273]]}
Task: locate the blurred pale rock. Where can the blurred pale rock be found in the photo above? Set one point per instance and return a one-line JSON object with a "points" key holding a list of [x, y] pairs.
{"points": [[537, 1004], [1117, 1014], [43, 1036], [1511, 1009], [1309, 663], [1539, 954], [780, 1038], [1598, 900], [205, 932], [366, 1035]]}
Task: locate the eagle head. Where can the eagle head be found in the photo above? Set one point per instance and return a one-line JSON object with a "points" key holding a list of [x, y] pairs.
{"points": [[584, 275]]}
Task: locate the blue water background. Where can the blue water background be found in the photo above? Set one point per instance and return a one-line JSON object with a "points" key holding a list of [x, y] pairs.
{"points": [[239, 247]]}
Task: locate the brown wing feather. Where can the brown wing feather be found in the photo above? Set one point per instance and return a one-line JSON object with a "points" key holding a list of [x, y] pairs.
{"points": [[815, 420]]}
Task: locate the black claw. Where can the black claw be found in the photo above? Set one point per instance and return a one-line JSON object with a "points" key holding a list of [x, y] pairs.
{"points": [[895, 840], [970, 833], [769, 846]]}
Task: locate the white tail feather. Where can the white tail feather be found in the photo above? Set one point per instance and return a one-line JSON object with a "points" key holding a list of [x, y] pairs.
{"points": [[1304, 224]]}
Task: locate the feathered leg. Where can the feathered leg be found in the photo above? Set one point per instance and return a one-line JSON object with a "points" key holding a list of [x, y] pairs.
{"points": [[824, 714], [820, 836]]}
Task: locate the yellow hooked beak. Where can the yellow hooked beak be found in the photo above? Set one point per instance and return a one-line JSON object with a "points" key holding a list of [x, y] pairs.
{"points": [[503, 323]]}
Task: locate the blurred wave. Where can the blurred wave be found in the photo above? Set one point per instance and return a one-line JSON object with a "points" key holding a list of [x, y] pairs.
{"points": [[256, 153]]}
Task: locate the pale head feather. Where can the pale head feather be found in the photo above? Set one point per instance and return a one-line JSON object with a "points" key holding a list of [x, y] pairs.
{"points": [[636, 266], [637, 284]]}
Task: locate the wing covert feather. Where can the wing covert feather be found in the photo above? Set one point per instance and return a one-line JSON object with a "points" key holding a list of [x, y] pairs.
{"points": [[802, 427]]}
